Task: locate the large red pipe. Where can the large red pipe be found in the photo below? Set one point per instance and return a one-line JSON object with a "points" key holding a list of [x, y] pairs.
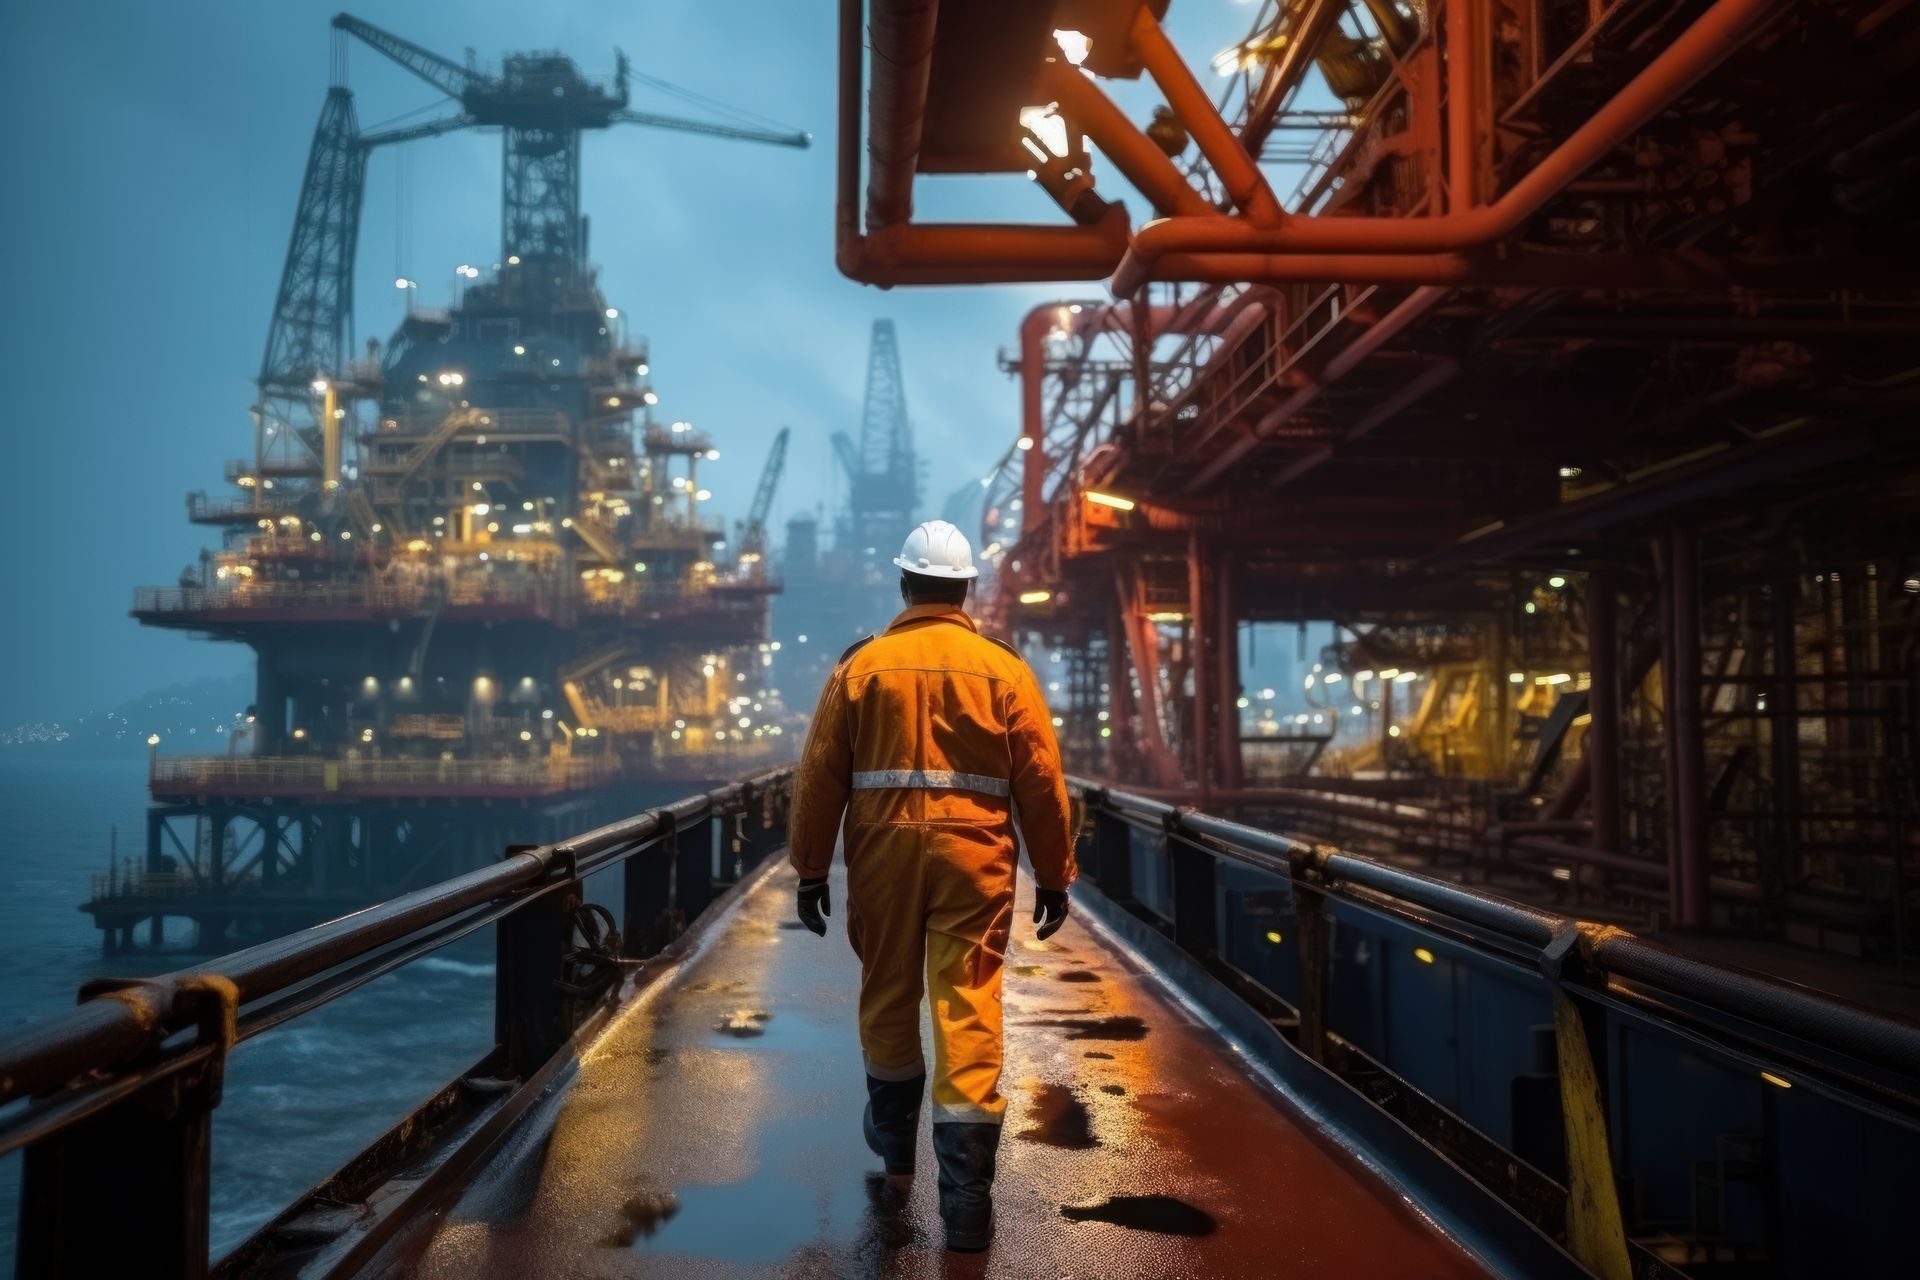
{"points": [[1698, 50], [1142, 163], [896, 252], [1246, 185]]}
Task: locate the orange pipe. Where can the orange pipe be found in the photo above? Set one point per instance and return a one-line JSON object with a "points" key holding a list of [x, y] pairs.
{"points": [[1464, 67], [1697, 51], [1246, 185], [1132, 152], [1486, 270], [900, 253], [902, 32]]}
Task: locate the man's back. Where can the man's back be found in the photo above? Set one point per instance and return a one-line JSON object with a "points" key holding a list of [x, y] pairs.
{"points": [[931, 723]]}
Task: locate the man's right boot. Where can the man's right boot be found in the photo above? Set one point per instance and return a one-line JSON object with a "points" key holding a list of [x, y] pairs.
{"points": [[892, 1121], [966, 1155]]}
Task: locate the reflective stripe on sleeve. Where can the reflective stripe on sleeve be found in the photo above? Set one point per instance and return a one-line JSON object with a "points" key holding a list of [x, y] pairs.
{"points": [[930, 780]]}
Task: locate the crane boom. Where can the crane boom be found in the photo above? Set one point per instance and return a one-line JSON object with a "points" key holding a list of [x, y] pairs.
{"points": [[772, 137], [308, 334], [443, 74], [754, 539]]}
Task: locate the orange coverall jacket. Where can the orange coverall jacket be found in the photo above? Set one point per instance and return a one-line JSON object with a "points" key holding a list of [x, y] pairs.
{"points": [[931, 740]]}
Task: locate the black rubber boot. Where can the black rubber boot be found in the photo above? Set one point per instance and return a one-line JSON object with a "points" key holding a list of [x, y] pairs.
{"points": [[892, 1122], [966, 1154]]}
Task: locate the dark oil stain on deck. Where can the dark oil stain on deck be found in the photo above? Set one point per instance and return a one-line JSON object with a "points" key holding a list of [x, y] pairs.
{"points": [[1164, 1215], [1095, 1053], [744, 1024], [641, 1214], [1118, 1027], [1080, 975], [1060, 1119], [1118, 1091]]}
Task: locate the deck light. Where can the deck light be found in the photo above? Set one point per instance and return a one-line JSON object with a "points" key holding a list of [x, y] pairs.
{"points": [[1025, 443], [1110, 500], [1773, 1079], [1035, 597], [1423, 955]]}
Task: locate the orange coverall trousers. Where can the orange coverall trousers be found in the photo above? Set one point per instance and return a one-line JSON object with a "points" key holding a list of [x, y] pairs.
{"points": [[927, 739]]}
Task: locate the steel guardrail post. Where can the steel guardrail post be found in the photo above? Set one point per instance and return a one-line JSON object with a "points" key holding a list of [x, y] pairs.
{"points": [[1112, 853], [1314, 932], [693, 867], [144, 1162], [647, 895], [1196, 926], [531, 1011]]}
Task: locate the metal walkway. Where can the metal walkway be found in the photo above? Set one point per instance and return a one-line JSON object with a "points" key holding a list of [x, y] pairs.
{"points": [[713, 1129], [1552, 1098]]}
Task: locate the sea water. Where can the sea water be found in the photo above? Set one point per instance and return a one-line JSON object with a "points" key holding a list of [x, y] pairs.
{"points": [[301, 1099]]}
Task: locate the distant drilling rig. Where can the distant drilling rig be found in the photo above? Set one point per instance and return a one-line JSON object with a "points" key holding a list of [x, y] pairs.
{"points": [[476, 570], [840, 593]]}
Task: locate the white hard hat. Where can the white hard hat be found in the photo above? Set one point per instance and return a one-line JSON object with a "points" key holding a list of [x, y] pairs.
{"points": [[937, 550]]}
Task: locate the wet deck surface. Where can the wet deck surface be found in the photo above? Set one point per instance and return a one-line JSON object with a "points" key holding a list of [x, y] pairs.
{"points": [[714, 1130]]}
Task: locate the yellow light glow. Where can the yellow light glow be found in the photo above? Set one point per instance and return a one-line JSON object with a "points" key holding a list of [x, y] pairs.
{"points": [[1391, 673], [1109, 500], [1167, 615], [1773, 1079], [1273, 936], [1558, 677], [1423, 955], [1035, 597]]}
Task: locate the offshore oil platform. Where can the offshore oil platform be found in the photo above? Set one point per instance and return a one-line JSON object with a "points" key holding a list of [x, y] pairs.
{"points": [[485, 591], [1569, 393]]}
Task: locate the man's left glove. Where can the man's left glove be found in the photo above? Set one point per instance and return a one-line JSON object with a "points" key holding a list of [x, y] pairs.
{"points": [[1049, 912], [814, 903]]}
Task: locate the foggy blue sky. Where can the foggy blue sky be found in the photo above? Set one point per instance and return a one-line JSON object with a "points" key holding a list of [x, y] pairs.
{"points": [[152, 164]]}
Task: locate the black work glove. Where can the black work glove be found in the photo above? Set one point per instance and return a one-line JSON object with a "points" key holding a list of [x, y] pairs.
{"points": [[1049, 912], [814, 902]]}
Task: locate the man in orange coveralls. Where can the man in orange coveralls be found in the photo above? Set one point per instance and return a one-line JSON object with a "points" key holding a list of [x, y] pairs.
{"points": [[930, 738]]}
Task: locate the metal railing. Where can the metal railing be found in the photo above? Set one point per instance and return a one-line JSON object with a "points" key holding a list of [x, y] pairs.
{"points": [[112, 1103], [397, 597], [275, 774], [1552, 1059]]}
